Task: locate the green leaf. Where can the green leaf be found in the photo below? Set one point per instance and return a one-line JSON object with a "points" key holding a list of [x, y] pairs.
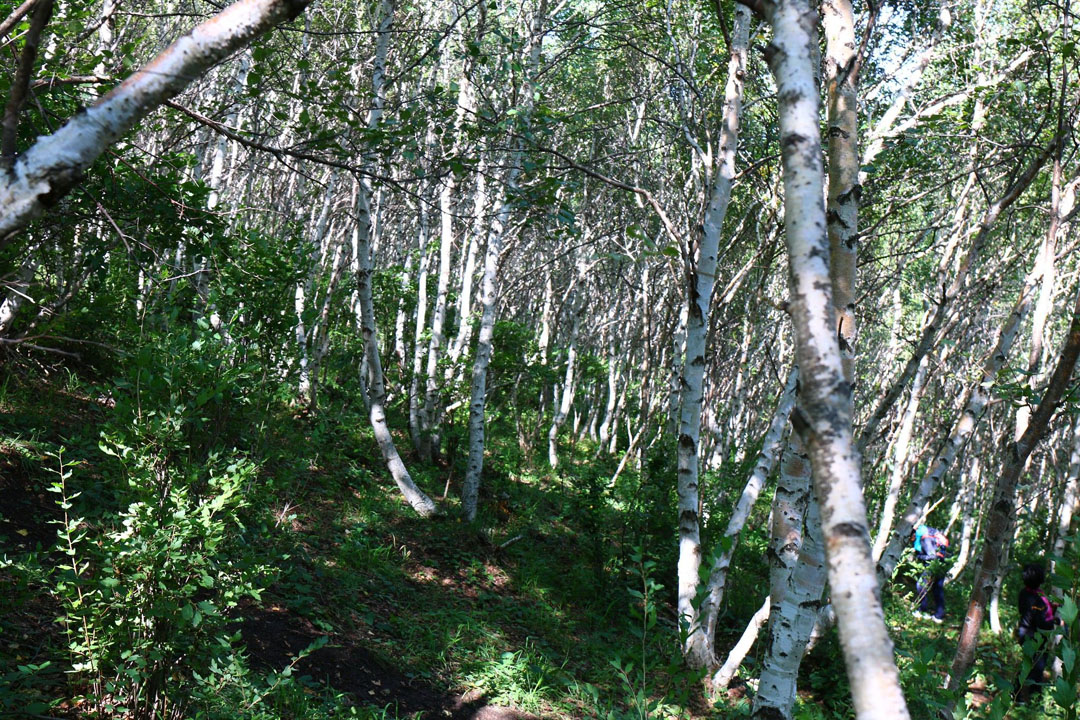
{"points": [[1068, 656], [1068, 611]]}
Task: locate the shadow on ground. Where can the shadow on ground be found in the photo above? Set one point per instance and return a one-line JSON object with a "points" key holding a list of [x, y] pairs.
{"points": [[274, 636]]}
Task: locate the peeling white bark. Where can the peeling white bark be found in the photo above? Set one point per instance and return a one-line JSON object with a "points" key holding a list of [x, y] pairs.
{"points": [[825, 394], [702, 278], [54, 163]]}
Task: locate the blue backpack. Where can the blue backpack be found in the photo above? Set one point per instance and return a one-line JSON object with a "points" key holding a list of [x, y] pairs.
{"points": [[939, 539]]}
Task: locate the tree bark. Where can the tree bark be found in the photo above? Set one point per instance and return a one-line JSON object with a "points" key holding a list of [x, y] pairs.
{"points": [[376, 388], [700, 282], [55, 163], [797, 576], [770, 449], [825, 417], [1003, 505], [489, 287]]}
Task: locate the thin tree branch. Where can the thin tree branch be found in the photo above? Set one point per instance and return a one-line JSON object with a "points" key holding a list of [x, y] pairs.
{"points": [[42, 14], [15, 16]]}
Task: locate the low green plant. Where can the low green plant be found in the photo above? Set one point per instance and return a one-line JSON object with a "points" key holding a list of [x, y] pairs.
{"points": [[145, 594], [521, 678], [1067, 635]]}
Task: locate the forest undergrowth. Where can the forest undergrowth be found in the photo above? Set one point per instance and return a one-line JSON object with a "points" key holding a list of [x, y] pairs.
{"points": [[226, 555]]}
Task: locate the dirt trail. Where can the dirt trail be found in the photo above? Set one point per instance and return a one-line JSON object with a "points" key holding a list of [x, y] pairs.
{"points": [[274, 636]]}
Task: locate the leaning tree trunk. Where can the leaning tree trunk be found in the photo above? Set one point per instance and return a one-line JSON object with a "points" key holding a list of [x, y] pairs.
{"points": [[975, 401], [376, 388], [723, 677], [1003, 505], [824, 418], [702, 277], [770, 449], [55, 163]]}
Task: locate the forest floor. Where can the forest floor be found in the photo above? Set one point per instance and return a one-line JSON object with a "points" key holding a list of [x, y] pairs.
{"points": [[369, 611]]}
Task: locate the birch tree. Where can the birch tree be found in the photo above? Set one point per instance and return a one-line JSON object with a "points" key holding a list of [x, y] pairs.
{"points": [[49, 168], [825, 392], [701, 279], [489, 286], [376, 390]]}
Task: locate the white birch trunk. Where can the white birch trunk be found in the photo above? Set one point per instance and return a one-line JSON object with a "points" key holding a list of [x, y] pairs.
{"points": [[612, 398], [420, 326], [468, 271], [55, 163], [825, 393], [376, 389], [702, 278], [1070, 498], [429, 436], [726, 673], [968, 506], [796, 579], [489, 291], [18, 294], [567, 395]]}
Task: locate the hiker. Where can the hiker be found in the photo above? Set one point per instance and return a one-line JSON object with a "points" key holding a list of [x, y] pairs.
{"points": [[1036, 613], [930, 547]]}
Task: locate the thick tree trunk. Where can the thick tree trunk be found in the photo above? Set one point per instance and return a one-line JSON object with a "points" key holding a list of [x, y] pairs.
{"points": [[796, 578], [825, 415], [842, 215]]}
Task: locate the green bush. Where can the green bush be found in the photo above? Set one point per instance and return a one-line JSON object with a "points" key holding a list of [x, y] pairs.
{"points": [[145, 595]]}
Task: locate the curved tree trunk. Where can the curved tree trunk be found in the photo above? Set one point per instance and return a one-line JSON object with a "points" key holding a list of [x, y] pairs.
{"points": [[47, 170], [698, 649], [1003, 505], [825, 409], [362, 233], [770, 449]]}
